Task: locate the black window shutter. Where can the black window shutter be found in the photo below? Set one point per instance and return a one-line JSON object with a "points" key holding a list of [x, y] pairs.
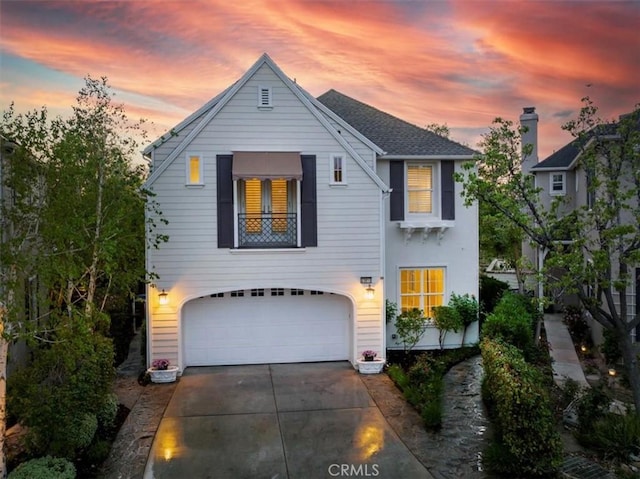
{"points": [[396, 180], [225, 200], [448, 190], [308, 201]]}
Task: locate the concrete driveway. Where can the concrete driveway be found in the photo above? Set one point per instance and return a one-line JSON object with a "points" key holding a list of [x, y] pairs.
{"points": [[310, 420]]}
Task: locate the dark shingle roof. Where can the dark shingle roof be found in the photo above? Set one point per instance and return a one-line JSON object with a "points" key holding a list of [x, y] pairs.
{"points": [[561, 158], [565, 156], [393, 135]]}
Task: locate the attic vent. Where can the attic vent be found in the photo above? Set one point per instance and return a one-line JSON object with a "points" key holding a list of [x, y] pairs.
{"points": [[264, 97]]}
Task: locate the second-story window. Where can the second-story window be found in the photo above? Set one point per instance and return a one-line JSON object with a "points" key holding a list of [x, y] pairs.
{"points": [[194, 169], [337, 170], [558, 186], [420, 183]]}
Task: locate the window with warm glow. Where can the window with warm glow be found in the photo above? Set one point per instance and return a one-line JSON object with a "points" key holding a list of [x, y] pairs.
{"points": [[421, 288], [253, 205], [194, 170], [419, 189]]}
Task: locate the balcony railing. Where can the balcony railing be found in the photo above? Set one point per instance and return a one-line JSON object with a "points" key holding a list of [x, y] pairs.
{"points": [[267, 230]]}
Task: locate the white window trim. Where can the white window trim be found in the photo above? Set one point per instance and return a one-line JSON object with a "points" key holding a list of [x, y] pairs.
{"points": [[445, 300], [564, 184], [187, 164], [263, 106], [435, 191], [332, 182]]}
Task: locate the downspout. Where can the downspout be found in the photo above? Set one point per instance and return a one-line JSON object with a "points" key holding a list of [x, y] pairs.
{"points": [[383, 262]]}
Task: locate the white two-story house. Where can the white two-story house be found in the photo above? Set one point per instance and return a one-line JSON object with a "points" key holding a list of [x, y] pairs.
{"points": [[291, 219]]}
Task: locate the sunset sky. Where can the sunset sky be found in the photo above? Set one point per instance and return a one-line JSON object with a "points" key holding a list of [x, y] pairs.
{"points": [[459, 62]]}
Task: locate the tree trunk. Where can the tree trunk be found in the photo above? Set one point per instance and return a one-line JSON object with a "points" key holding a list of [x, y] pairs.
{"points": [[631, 366], [95, 256], [4, 349]]}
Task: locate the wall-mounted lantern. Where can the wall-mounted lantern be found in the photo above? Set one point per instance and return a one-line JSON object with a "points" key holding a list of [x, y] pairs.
{"points": [[369, 292], [163, 298]]}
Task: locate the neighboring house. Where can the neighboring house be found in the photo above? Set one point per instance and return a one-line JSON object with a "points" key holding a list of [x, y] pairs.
{"points": [[561, 174], [292, 219]]}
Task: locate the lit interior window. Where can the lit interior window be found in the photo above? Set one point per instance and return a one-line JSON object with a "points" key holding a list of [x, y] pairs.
{"points": [[422, 289], [194, 170]]}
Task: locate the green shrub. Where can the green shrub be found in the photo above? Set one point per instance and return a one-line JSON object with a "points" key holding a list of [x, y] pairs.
{"points": [[424, 369], [390, 311], [446, 319], [97, 452], [466, 306], [610, 347], [491, 290], [59, 395], [614, 436], [398, 376], [521, 411], [512, 321], [107, 413], [576, 323], [410, 326], [593, 405], [44, 468]]}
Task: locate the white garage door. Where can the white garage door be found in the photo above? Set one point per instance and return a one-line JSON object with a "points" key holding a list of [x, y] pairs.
{"points": [[266, 326]]}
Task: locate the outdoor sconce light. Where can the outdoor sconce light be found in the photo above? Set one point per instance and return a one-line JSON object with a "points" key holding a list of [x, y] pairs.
{"points": [[163, 298], [583, 348], [369, 292], [612, 372]]}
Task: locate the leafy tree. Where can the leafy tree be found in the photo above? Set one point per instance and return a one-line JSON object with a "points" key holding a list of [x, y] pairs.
{"points": [[74, 220], [410, 327], [604, 237], [439, 129], [446, 318], [467, 308]]}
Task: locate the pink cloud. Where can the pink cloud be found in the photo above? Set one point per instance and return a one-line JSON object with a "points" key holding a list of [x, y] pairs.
{"points": [[461, 63]]}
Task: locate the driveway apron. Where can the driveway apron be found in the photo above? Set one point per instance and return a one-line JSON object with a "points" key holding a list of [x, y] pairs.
{"points": [[310, 420]]}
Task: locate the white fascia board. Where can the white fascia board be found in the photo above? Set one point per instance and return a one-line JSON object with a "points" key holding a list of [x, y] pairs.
{"points": [[546, 169], [226, 96], [184, 123], [429, 157]]}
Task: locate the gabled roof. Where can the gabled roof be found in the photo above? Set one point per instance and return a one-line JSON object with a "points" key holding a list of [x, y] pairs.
{"points": [[561, 159], [187, 121], [565, 158], [204, 115], [395, 136]]}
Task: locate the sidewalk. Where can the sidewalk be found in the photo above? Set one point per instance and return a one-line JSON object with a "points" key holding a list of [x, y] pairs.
{"points": [[566, 364]]}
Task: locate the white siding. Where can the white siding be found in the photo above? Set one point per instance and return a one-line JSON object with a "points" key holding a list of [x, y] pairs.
{"points": [[457, 252], [190, 265]]}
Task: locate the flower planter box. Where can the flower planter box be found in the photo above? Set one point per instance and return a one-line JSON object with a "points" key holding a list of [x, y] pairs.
{"points": [[370, 367], [163, 375]]}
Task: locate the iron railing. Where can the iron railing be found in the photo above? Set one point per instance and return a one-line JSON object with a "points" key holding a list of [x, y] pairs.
{"points": [[267, 230]]}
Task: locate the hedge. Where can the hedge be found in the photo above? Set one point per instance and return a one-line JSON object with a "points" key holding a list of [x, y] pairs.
{"points": [[512, 320], [521, 411]]}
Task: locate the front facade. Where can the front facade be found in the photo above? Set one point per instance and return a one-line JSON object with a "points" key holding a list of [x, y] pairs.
{"points": [[278, 221]]}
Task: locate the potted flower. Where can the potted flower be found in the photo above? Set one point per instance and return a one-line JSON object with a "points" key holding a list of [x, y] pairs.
{"points": [[370, 363], [369, 355], [161, 371]]}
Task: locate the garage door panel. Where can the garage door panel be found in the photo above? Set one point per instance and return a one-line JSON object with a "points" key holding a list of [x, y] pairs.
{"points": [[266, 329]]}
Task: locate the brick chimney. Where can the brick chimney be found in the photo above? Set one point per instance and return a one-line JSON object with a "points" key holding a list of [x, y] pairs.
{"points": [[529, 121]]}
